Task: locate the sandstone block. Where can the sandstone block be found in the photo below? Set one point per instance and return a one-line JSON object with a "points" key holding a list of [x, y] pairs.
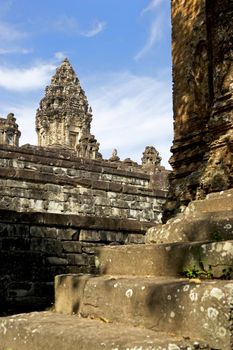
{"points": [[54, 260], [77, 259], [201, 309], [213, 259], [40, 231], [72, 247]]}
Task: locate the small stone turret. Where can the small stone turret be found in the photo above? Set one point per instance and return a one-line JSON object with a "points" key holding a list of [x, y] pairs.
{"points": [[9, 132], [150, 158], [114, 157], [64, 116]]}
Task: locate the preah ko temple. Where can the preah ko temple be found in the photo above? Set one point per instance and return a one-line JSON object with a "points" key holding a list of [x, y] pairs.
{"points": [[111, 254]]}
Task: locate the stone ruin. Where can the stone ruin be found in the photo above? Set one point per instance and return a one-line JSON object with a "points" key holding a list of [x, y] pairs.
{"points": [[173, 293], [61, 199], [9, 133]]}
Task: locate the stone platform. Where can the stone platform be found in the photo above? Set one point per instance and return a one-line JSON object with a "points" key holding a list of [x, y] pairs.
{"points": [[50, 331]]}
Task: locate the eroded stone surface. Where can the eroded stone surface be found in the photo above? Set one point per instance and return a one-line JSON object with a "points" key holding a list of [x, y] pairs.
{"points": [[202, 99], [187, 308], [214, 259], [208, 219], [50, 331]]}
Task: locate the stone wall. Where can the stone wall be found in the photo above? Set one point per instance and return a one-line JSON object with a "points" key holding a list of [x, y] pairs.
{"points": [[56, 208], [35, 247], [54, 181], [202, 99]]}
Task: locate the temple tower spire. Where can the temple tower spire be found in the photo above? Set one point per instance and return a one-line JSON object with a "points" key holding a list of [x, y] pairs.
{"points": [[64, 117]]}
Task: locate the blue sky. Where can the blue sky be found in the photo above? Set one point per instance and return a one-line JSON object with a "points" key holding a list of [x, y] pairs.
{"points": [[120, 50]]}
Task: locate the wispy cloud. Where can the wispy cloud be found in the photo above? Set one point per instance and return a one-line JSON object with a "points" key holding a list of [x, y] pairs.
{"points": [[155, 34], [9, 33], [15, 50], [60, 55], [66, 24], [97, 28], [11, 38], [127, 116], [157, 27], [70, 25], [153, 4], [32, 78]]}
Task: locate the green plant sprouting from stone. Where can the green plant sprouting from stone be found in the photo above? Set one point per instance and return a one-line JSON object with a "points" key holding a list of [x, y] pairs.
{"points": [[195, 272]]}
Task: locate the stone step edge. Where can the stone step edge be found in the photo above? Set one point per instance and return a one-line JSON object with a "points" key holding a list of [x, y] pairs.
{"points": [[155, 303], [212, 259]]}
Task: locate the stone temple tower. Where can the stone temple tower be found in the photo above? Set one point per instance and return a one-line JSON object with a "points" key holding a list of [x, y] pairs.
{"points": [[64, 117]]}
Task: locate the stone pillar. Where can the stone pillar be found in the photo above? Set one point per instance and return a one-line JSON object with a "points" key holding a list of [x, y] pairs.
{"points": [[202, 97], [218, 172]]}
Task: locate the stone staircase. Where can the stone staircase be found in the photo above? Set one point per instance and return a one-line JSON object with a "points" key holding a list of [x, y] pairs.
{"points": [[142, 298]]}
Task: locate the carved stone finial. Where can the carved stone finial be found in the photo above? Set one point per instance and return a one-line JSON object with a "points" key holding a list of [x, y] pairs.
{"points": [[114, 157], [151, 157]]}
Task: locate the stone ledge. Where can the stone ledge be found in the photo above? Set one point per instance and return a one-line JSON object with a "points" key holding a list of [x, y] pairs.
{"points": [[68, 160], [76, 221], [36, 177]]}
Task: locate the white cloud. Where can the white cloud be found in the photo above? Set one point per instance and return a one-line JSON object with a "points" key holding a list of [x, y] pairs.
{"points": [[9, 33], [153, 4], [70, 25], [66, 24], [18, 79], [15, 50], [25, 113], [60, 55], [154, 35], [10, 38], [96, 29], [131, 112]]}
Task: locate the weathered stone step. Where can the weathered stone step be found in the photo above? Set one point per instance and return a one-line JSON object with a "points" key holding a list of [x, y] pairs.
{"points": [[191, 308], [193, 226], [51, 331], [214, 258], [219, 201]]}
